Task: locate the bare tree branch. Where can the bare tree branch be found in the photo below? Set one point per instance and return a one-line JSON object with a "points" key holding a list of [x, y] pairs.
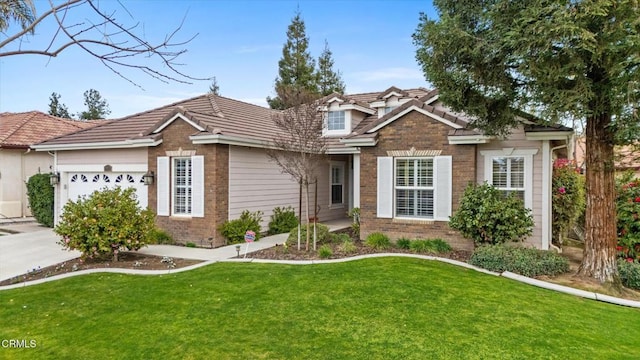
{"points": [[114, 44]]}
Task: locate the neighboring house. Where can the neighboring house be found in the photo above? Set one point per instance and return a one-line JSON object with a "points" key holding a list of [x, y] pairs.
{"points": [[18, 163], [399, 155], [627, 158]]}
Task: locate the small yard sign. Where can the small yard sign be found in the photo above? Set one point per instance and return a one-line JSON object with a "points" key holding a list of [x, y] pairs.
{"points": [[249, 236]]}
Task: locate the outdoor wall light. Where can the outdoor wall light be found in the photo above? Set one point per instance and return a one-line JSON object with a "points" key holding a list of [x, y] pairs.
{"points": [[148, 178], [54, 178]]}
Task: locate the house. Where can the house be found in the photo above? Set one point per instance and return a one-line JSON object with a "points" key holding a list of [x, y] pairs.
{"points": [[399, 155], [18, 163], [626, 158]]}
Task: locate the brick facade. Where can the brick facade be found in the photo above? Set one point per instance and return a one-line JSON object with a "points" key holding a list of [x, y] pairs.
{"points": [[414, 130], [201, 231]]}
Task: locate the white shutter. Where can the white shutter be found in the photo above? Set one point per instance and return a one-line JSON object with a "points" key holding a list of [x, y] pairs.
{"points": [[197, 186], [162, 186], [442, 184], [385, 187]]}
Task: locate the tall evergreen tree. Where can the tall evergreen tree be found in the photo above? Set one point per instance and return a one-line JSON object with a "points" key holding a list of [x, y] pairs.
{"points": [[56, 108], [214, 88], [561, 57], [296, 68], [97, 107], [329, 81]]}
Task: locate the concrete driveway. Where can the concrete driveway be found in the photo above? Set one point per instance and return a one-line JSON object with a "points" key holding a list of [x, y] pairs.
{"points": [[23, 252]]}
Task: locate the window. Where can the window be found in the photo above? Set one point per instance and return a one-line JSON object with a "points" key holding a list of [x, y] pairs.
{"points": [[508, 175], [414, 190], [182, 191], [336, 120], [389, 109], [180, 186], [337, 183]]}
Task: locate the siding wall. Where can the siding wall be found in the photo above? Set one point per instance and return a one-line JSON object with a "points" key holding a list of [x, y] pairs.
{"points": [[518, 141], [257, 184], [103, 157]]}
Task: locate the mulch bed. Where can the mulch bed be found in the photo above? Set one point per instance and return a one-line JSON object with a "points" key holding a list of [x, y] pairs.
{"points": [[126, 260]]}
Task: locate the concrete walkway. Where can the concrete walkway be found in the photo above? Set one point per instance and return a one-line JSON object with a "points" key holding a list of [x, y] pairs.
{"points": [[20, 253]]}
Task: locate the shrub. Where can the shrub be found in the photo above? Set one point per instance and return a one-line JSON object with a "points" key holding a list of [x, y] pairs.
{"points": [[104, 222], [523, 261], [629, 273], [378, 241], [568, 199], [159, 236], [40, 193], [325, 252], [322, 234], [347, 247], [354, 214], [282, 220], [488, 217], [403, 243], [190, 244], [338, 238], [429, 246], [628, 211], [234, 230]]}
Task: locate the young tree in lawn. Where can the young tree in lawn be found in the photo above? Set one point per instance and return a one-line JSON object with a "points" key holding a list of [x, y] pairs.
{"points": [[580, 58], [56, 108], [97, 107], [296, 68], [329, 80], [93, 27], [299, 148]]}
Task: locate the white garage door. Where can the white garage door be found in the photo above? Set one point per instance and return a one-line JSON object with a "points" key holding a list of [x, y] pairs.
{"points": [[87, 182]]}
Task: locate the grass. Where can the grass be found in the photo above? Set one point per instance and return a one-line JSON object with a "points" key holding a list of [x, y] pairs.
{"points": [[381, 308]]}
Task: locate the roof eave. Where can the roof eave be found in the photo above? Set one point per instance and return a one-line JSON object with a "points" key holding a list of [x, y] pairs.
{"points": [[124, 144], [468, 139], [548, 135], [358, 142], [229, 140]]}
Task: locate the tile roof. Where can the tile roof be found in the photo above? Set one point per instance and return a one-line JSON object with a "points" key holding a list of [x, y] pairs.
{"points": [[20, 130]]}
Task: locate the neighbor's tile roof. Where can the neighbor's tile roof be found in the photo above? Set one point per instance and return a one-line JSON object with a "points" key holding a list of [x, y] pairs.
{"points": [[19, 130]]}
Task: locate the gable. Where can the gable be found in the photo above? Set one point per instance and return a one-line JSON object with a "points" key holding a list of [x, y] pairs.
{"points": [[177, 116], [399, 113]]}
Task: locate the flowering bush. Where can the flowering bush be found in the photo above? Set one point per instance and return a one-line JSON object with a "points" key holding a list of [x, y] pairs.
{"points": [[488, 217], [628, 208], [568, 199], [105, 222]]}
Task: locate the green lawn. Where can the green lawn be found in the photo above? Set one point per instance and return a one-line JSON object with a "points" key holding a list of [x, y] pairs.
{"points": [[382, 308]]}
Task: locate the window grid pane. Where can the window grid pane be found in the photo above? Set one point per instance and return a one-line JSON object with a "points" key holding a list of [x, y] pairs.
{"points": [[414, 188], [182, 186], [335, 120], [508, 175], [336, 184]]}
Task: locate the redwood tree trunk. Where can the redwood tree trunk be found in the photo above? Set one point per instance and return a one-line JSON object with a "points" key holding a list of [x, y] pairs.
{"points": [[599, 256]]}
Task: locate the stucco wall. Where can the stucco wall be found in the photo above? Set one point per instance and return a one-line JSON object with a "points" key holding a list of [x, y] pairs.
{"points": [[16, 167]]}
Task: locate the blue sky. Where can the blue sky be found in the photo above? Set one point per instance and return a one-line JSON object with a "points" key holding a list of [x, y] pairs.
{"points": [[238, 42]]}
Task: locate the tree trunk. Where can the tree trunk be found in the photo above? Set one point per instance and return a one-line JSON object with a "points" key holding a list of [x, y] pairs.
{"points": [[599, 256], [299, 215]]}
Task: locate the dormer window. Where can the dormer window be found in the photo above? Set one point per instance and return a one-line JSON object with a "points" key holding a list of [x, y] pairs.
{"points": [[336, 121], [389, 109]]}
